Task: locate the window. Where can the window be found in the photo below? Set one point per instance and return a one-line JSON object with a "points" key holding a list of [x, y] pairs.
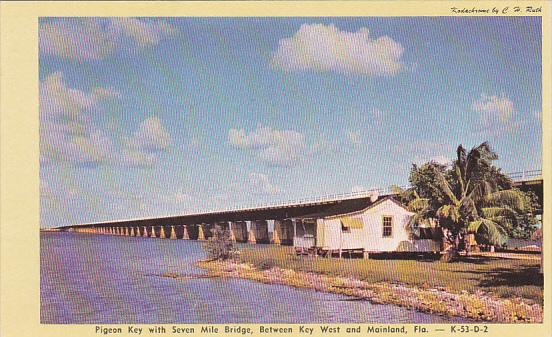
{"points": [[345, 228], [387, 226]]}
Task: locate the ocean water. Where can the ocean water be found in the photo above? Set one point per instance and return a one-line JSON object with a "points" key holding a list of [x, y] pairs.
{"points": [[87, 278]]}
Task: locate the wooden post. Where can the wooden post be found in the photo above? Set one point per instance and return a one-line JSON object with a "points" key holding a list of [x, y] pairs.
{"points": [[294, 223]]}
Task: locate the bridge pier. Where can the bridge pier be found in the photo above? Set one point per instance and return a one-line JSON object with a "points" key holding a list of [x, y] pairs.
{"points": [[230, 228], [162, 233], [185, 235], [252, 234], [144, 231], [277, 233], [173, 233], [153, 235], [200, 233], [287, 232], [227, 226], [239, 231], [261, 231], [132, 231]]}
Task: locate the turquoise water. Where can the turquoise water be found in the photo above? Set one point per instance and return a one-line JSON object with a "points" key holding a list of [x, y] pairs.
{"points": [[86, 278]]}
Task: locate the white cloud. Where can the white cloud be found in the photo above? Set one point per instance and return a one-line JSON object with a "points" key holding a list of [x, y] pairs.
{"points": [[95, 38], [273, 147], [68, 133], [494, 108], [326, 48], [497, 115], [58, 102], [137, 158], [142, 147], [144, 32], [76, 39], [260, 184], [151, 136]]}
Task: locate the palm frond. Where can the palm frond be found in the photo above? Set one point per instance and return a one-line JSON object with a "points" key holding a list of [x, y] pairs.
{"points": [[504, 222], [511, 198], [460, 176], [396, 189], [445, 187], [486, 152], [491, 231], [449, 212], [489, 212], [418, 204]]}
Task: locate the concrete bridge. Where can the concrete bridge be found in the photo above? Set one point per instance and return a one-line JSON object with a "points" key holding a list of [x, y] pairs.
{"points": [[276, 224]]}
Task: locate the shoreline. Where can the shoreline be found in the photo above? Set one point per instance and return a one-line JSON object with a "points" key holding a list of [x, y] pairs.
{"points": [[477, 307]]}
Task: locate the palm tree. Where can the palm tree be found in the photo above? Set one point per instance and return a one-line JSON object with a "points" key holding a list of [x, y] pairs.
{"points": [[472, 196]]}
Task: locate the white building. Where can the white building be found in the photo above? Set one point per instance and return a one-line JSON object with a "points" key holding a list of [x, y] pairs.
{"points": [[383, 226]]}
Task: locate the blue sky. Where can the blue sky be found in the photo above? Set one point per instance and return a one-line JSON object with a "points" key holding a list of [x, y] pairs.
{"points": [[147, 117]]}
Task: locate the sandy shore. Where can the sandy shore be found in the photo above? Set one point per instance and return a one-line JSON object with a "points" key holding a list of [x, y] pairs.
{"points": [[476, 306]]}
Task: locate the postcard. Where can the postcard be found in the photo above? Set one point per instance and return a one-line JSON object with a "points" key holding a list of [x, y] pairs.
{"points": [[275, 168]]}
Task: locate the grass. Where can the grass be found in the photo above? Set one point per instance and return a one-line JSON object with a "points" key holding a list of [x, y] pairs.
{"points": [[505, 278]]}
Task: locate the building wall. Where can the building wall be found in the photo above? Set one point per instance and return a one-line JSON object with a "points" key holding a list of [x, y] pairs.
{"points": [[370, 237]]}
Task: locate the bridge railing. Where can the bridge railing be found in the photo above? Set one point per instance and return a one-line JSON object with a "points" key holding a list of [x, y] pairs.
{"points": [[515, 176], [522, 175]]}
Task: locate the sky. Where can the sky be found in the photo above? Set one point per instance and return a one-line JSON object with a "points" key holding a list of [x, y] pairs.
{"points": [[145, 117]]}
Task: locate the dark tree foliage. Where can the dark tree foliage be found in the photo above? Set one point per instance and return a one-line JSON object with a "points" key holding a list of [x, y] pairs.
{"points": [[470, 196], [220, 245]]}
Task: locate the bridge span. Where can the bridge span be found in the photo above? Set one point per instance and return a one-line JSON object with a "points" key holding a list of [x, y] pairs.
{"points": [[277, 223]]}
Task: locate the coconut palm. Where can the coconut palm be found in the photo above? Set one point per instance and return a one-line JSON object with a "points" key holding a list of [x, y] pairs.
{"points": [[471, 196]]}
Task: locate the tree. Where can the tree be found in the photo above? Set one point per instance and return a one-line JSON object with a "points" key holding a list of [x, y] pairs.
{"points": [[220, 245], [469, 196]]}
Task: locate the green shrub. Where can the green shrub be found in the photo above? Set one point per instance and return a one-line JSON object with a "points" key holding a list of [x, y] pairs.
{"points": [[220, 245]]}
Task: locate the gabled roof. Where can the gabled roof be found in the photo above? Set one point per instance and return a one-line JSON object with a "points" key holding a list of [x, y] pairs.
{"points": [[349, 209]]}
